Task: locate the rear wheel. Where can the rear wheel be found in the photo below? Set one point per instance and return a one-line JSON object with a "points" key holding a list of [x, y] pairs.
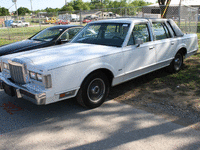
{"points": [[177, 63], [94, 90]]}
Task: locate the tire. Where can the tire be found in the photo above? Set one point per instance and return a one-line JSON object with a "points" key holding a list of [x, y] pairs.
{"points": [[94, 90], [177, 63], [26, 25]]}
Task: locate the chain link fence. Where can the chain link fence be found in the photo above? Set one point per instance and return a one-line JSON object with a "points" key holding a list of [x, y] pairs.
{"points": [[11, 29]]}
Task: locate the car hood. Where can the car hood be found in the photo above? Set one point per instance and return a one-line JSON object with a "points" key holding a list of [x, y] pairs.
{"points": [[58, 56], [17, 46]]}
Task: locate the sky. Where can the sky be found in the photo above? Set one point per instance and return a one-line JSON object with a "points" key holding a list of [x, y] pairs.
{"points": [[39, 4]]}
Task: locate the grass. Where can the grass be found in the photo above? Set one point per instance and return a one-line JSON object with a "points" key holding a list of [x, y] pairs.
{"points": [[17, 34]]}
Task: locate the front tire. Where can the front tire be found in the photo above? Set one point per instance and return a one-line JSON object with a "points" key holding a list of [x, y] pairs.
{"points": [[177, 63], [94, 90]]}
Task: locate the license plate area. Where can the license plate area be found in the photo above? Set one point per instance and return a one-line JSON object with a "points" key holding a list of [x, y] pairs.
{"points": [[8, 89]]}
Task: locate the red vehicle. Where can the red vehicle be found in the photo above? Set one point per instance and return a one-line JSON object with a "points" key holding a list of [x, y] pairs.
{"points": [[62, 22], [86, 21]]}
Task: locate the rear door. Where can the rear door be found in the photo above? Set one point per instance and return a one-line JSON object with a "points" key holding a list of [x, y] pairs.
{"points": [[165, 43]]}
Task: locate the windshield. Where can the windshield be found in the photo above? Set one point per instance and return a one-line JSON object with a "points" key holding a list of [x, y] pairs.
{"points": [[47, 35], [110, 34]]}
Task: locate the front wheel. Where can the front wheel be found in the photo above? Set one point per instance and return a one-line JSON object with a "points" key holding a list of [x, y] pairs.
{"points": [[177, 63], [94, 90]]}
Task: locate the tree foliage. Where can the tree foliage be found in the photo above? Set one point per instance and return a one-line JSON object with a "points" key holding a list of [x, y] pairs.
{"points": [[22, 11], [4, 11], [74, 5]]}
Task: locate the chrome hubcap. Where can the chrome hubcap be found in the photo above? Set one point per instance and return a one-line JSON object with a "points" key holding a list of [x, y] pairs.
{"points": [[178, 62], [96, 90]]}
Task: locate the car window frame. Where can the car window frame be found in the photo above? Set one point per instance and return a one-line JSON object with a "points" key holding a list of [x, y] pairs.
{"points": [[148, 29], [59, 38], [163, 24]]}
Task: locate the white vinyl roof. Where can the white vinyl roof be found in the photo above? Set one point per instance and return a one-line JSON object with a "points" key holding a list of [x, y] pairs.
{"points": [[183, 2]]}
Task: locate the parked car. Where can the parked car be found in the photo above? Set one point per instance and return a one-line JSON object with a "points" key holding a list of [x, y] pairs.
{"points": [[20, 23], [103, 54], [62, 22], [48, 37], [86, 21], [50, 20]]}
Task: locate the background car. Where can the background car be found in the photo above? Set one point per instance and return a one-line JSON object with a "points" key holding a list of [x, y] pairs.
{"points": [[62, 22], [86, 21], [48, 37]]}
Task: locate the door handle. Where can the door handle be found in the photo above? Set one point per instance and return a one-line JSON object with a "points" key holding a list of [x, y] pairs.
{"points": [[172, 43], [150, 48]]}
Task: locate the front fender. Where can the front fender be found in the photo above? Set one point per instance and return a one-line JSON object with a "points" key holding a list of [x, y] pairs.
{"points": [[94, 67]]}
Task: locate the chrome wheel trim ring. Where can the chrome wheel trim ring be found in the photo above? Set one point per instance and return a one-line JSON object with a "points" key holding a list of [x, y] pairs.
{"points": [[177, 62], [96, 90]]}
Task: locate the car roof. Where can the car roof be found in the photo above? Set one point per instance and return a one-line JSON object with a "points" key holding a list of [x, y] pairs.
{"points": [[64, 26], [121, 20], [129, 20]]}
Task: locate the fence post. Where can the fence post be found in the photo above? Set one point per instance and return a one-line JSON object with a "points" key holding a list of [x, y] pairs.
{"points": [[189, 20], [197, 12], [8, 29], [39, 21], [179, 21], [80, 16]]}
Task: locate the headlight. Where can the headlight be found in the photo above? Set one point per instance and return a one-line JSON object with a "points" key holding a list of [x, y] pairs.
{"points": [[39, 77], [32, 75], [35, 76], [5, 66]]}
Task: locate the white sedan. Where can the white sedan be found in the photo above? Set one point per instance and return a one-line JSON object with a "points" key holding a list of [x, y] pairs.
{"points": [[105, 53]]}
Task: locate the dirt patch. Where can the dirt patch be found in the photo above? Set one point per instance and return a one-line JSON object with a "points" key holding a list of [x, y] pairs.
{"points": [[174, 96]]}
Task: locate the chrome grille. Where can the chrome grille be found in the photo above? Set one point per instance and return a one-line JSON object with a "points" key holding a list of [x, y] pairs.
{"points": [[17, 72]]}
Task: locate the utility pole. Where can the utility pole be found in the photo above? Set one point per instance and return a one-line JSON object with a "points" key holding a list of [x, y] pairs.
{"points": [[179, 20], [15, 2], [31, 6], [31, 10], [66, 2]]}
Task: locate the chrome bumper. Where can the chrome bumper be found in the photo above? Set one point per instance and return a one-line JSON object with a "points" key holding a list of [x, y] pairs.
{"points": [[34, 97]]}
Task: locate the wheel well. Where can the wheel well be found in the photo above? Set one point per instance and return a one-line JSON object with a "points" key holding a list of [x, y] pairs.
{"points": [[107, 72], [183, 51]]}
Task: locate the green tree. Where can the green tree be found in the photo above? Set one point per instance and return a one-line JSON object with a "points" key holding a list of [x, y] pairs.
{"points": [[4, 11], [67, 8], [22, 11]]}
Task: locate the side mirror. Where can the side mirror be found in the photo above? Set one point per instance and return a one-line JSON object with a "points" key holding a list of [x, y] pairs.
{"points": [[138, 42]]}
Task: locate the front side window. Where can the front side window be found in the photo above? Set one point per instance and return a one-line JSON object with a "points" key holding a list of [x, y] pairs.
{"points": [[160, 31], [140, 32], [110, 34], [70, 33]]}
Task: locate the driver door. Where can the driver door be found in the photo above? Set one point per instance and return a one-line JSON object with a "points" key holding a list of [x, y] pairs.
{"points": [[139, 58]]}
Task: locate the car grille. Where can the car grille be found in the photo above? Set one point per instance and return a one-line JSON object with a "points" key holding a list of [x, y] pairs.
{"points": [[17, 72]]}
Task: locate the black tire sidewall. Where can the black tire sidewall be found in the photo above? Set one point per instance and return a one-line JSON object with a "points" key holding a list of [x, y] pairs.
{"points": [[178, 54], [171, 67], [82, 95]]}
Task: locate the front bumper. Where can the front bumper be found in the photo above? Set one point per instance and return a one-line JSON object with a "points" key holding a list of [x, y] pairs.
{"points": [[12, 89]]}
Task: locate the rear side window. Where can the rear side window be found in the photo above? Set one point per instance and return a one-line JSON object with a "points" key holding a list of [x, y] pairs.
{"points": [[160, 31]]}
